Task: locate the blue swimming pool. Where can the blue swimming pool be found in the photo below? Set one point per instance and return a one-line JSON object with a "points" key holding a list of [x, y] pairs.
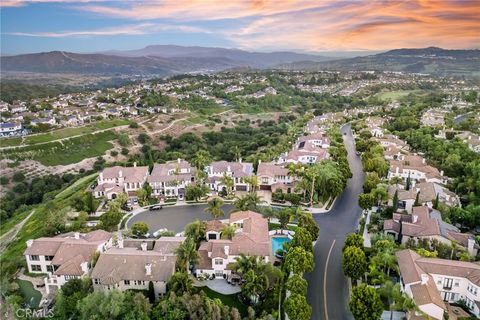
{"points": [[277, 243]]}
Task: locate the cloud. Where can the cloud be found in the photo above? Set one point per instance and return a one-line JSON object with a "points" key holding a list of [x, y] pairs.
{"points": [[21, 3], [138, 29]]}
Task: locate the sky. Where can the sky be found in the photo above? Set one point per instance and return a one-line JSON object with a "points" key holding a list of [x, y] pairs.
{"points": [[256, 25]]}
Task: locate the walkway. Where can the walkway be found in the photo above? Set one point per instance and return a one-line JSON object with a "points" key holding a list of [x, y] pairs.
{"points": [[10, 235], [367, 243]]}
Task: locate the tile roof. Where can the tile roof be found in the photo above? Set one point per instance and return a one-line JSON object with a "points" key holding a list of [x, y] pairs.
{"points": [[131, 174], [238, 169], [270, 169], [165, 172]]}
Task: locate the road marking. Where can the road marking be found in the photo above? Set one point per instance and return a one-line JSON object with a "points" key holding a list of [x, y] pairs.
{"points": [[325, 280]]}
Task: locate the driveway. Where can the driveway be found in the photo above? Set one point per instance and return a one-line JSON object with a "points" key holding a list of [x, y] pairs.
{"points": [[175, 218], [327, 286]]}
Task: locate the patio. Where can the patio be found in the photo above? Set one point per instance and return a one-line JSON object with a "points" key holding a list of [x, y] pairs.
{"points": [[218, 285]]}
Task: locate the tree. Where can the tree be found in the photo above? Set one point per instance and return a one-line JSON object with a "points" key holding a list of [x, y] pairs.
{"points": [[284, 217], [215, 208], [365, 304], [196, 230], [371, 182], [228, 231], [353, 240], [195, 192], [140, 229], [142, 197], [417, 200], [302, 239], [151, 292], [366, 200], [18, 176], [90, 202], [395, 201], [187, 255], [354, 262], [436, 202], [180, 283], [228, 182], [298, 261], [296, 284], [380, 193], [250, 201], [68, 296], [201, 159], [408, 183], [255, 286], [307, 222], [297, 308], [252, 181]]}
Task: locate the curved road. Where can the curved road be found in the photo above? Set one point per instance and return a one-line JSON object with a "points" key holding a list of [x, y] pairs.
{"points": [[327, 286]]}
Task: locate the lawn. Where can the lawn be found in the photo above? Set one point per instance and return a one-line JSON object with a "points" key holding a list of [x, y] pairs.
{"points": [[70, 132], [6, 226], [394, 95], [67, 152], [31, 295], [74, 186], [9, 142], [229, 300]]}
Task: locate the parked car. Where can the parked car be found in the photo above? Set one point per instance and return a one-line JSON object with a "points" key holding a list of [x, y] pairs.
{"points": [[156, 207], [126, 207]]}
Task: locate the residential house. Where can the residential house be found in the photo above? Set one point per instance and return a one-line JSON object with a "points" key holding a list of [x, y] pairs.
{"points": [[50, 121], [431, 282], [416, 168], [9, 127], [272, 177], [236, 170], [170, 179], [133, 264], [114, 180], [66, 256], [251, 238], [427, 223]]}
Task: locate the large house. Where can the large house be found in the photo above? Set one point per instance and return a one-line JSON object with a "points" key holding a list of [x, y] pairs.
{"points": [[10, 127], [431, 282], [415, 168], [426, 223], [170, 179], [251, 238], [425, 192], [236, 170], [114, 180], [66, 256], [133, 264], [273, 177]]}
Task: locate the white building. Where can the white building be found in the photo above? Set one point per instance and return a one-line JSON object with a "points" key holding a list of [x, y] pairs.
{"points": [[114, 180], [66, 256], [170, 179], [431, 282], [236, 170]]}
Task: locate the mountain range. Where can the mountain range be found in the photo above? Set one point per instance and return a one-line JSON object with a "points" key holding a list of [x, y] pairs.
{"points": [[163, 60]]}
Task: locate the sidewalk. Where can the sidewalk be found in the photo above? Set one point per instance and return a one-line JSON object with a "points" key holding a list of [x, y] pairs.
{"points": [[366, 236]]}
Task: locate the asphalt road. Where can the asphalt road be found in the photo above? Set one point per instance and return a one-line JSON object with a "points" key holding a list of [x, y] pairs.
{"points": [[175, 218], [327, 286]]}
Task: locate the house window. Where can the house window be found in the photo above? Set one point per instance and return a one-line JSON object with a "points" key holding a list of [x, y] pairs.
{"points": [[70, 277], [447, 283], [36, 267], [49, 268], [218, 261], [457, 283], [34, 258], [218, 273], [48, 258], [126, 282], [96, 281]]}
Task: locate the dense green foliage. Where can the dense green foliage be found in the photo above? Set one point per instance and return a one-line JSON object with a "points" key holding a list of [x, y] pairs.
{"points": [[365, 304]]}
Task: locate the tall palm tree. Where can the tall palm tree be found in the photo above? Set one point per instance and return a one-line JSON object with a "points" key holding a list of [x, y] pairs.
{"points": [[250, 201], [252, 181], [228, 232], [284, 217], [256, 284], [201, 159], [215, 208], [186, 255], [196, 230], [245, 263], [228, 182]]}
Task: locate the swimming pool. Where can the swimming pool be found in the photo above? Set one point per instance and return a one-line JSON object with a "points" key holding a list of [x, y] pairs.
{"points": [[277, 243]]}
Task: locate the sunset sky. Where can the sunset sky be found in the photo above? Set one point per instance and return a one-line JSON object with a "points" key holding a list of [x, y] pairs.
{"points": [[321, 25]]}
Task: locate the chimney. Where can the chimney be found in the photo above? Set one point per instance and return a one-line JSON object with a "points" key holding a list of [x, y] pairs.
{"points": [[471, 246], [148, 269], [228, 169], [135, 164], [120, 243], [77, 235], [29, 243], [240, 160], [424, 278], [144, 246], [179, 160], [227, 250], [101, 176], [423, 160], [415, 218], [84, 266], [441, 172]]}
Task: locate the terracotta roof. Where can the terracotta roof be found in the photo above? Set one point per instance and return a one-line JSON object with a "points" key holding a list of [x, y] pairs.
{"points": [[391, 225], [166, 172], [270, 169], [425, 293], [238, 169], [117, 264], [168, 245], [214, 225], [131, 174]]}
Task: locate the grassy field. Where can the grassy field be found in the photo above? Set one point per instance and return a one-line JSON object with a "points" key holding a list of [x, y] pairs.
{"points": [[394, 95], [64, 133], [31, 295], [77, 183], [6, 226], [230, 300], [70, 151]]}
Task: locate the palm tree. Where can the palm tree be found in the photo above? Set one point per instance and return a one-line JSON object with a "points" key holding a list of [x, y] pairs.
{"points": [[268, 213], [252, 181], [201, 159], [196, 230], [284, 217], [245, 263], [255, 285], [228, 182], [215, 208], [250, 201], [228, 232], [186, 255]]}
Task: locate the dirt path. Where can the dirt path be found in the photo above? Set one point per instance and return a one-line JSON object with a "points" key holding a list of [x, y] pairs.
{"points": [[10, 235]]}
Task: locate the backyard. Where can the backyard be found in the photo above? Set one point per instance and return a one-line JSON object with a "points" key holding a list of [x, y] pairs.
{"points": [[231, 300], [31, 295]]}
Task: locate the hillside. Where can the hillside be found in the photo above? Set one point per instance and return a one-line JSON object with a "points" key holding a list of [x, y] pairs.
{"points": [[435, 61]]}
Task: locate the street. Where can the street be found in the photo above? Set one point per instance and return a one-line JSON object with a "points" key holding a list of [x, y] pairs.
{"points": [[327, 286]]}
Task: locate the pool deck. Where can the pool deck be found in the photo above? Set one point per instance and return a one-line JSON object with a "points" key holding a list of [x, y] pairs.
{"points": [[218, 285]]}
